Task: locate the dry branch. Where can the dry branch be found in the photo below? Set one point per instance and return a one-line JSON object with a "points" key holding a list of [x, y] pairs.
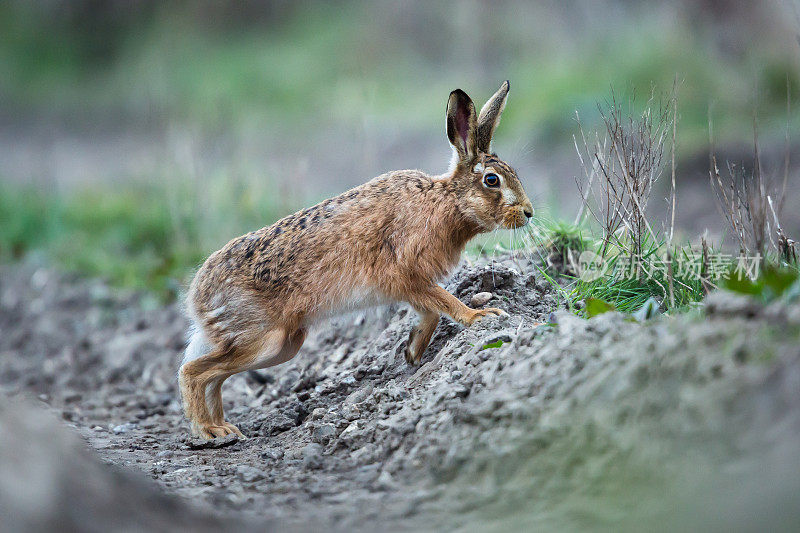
{"points": [[621, 170]]}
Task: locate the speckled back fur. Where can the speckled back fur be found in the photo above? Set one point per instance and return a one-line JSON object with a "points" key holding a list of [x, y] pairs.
{"points": [[374, 242]]}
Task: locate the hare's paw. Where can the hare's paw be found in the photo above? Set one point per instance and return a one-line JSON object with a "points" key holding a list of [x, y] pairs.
{"points": [[212, 431], [480, 313], [234, 429], [410, 359], [412, 352]]}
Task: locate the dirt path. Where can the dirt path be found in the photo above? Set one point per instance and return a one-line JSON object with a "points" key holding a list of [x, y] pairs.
{"points": [[600, 423]]}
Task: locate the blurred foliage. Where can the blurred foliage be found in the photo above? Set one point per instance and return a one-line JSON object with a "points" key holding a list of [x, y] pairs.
{"points": [[229, 63], [496, 344], [564, 239], [595, 306], [144, 237], [772, 282]]}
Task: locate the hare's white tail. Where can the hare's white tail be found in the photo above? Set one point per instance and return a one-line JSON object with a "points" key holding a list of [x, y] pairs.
{"points": [[198, 343]]}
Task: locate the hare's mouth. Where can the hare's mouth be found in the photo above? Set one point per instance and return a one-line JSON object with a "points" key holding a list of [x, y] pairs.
{"points": [[514, 219]]}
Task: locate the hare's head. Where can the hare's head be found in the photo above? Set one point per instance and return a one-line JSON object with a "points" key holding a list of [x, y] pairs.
{"points": [[488, 190]]}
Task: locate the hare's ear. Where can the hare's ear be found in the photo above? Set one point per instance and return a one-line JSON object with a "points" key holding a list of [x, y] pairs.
{"points": [[462, 125], [490, 116]]}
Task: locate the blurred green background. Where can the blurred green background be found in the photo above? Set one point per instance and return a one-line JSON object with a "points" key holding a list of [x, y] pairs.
{"points": [[138, 136]]}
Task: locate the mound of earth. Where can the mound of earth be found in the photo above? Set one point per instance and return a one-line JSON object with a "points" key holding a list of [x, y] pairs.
{"points": [[50, 482], [604, 423]]}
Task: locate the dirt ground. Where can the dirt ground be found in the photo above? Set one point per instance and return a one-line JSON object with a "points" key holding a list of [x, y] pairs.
{"points": [[690, 421]]}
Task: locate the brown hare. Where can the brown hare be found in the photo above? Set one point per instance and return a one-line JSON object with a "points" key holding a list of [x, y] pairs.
{"points": [[391, 239]]}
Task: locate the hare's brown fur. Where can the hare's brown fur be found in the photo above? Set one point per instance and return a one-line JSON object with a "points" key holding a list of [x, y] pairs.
{"points": [[391, 239]]}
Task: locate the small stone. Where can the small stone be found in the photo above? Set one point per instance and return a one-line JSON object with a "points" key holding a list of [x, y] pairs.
{"points": [[323, 433], [249, 474], [272, 454], [384, 481], [350, 412], [349, 432], [460, 391], [361, 371], [358, 396], [219, 442], [542, 286], [122, 428], [312, 456], [318, 413], [481, 299]]}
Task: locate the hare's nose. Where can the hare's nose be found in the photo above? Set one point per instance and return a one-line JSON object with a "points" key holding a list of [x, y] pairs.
{"points": [[528, 212]]}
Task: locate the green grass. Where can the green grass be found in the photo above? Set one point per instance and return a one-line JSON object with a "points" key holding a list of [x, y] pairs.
{"points": [[628, 291], [624, 289], [563, 242], [143, 237], [563, 239]]}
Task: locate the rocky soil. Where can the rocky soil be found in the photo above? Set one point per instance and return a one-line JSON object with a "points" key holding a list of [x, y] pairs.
{"points": [[690, 421]]}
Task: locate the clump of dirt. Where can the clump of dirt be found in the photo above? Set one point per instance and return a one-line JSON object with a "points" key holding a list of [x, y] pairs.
{"points": [[509, 423]]}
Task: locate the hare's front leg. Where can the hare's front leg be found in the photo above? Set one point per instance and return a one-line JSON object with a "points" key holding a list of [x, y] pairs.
{"points": [[435, 298]]}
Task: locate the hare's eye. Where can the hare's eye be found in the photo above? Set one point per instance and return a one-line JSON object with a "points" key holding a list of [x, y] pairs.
{"points": [[491, 180]]}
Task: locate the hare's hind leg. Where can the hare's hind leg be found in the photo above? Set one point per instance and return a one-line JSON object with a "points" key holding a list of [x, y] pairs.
{"points": [[201, 379], [292, 342], [421, 335], [193, 378], [214, 402], [266, 357]]}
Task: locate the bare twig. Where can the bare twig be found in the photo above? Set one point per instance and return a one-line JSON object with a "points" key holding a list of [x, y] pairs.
{"points": [[756, 196], [674, 140], [671, 279], [620, 172], [747, 199], [787, 146], [704, 267]]}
